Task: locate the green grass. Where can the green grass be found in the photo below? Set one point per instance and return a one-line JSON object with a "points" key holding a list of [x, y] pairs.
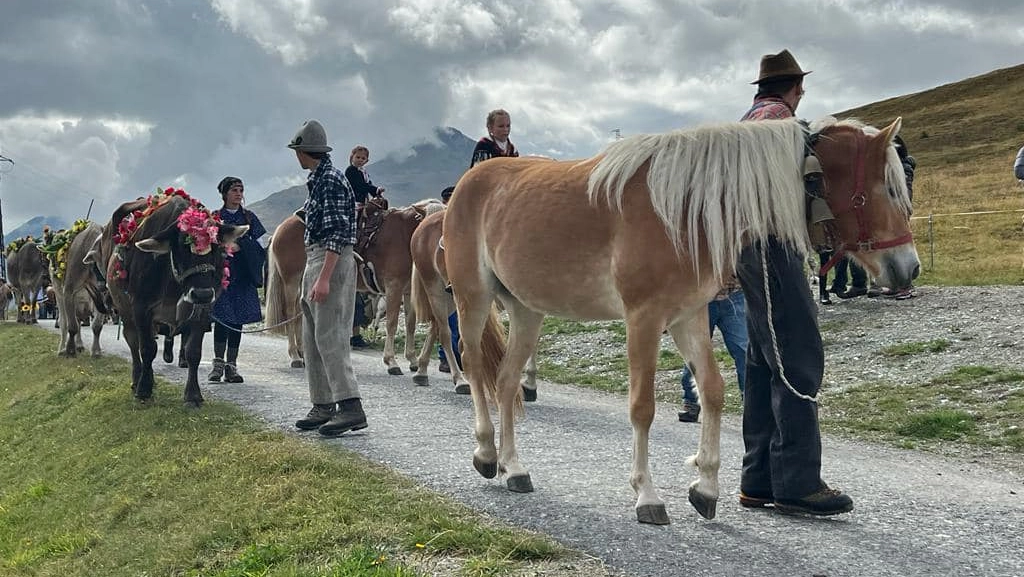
{"points": [[91, 483], [973, 406], [908, 349]]}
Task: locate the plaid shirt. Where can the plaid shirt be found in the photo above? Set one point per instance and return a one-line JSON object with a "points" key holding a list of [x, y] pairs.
{"points": [[330, 208], [768, 108]]}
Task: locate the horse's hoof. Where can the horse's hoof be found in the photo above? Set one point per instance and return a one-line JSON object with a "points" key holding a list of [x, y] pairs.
{"points": [[182, 364], [96, 355], [421, 380], [193, 404], [413, 368], [706, 506], [168, 358], [486, 470], [529, 395], [519, 484], [652, 514], [462, 389], [298, 364], [394, 370]]}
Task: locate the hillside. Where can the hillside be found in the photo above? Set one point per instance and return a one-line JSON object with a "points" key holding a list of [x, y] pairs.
{"points": [[964, 136], [34, 227], [420, 171]]}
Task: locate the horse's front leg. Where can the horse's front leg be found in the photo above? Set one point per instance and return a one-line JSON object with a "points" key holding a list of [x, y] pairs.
{"points": [[693, 339], [393, 306], [410, 330], [643, 338]]}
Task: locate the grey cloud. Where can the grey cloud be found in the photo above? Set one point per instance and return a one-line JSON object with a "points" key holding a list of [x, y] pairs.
{"points": [[220, 87]]}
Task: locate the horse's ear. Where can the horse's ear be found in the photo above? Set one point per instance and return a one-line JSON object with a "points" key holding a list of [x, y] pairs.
{"points": [[230, 233], [893, 129], [154, 246]]}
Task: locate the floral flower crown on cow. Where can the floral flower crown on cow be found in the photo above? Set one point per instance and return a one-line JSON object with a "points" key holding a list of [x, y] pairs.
{"points": [[199, 224]]}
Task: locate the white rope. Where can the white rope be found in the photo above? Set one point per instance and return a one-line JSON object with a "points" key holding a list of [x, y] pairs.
{"points": [[244, 332], [771, 329]]}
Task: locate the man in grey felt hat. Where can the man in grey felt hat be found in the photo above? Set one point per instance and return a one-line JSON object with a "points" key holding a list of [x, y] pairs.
{"points": [[328, 289], [781, 437]]}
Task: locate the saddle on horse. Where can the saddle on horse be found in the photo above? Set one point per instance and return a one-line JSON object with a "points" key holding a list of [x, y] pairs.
{"points": [[369, 222]]}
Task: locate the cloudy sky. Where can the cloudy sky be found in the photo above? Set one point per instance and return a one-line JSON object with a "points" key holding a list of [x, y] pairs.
{"points": [[106, 99]]}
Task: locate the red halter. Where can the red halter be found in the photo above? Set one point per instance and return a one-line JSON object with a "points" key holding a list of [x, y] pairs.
{"points": [[856, 203]]}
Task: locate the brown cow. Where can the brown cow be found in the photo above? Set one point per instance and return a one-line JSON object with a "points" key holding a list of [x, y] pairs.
{"points": [[27, 268], [158, 273], [74, 281], [6, 296]]}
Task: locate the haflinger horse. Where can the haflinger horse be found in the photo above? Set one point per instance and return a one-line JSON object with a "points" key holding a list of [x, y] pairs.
{"points": [[646, 231], [73, 283], [27, 268], [167, 266], [392, 265], [434, 304]]}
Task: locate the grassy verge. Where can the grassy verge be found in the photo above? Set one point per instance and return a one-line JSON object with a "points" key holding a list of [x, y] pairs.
{"points": [[971, 406], [974, 405], [93, 484]]}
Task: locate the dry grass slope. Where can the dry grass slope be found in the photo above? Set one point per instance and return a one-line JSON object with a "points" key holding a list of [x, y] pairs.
{"points": [[964, 136]]}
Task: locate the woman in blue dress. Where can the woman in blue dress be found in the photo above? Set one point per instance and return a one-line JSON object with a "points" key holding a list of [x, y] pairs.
{"points": [[239, 304]]}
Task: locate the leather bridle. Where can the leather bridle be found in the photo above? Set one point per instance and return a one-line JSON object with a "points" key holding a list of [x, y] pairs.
{"points": [[854, 203]]}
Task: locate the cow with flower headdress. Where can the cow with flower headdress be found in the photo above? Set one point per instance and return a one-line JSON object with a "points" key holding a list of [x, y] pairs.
{"points": [[73, 283], [27, 269], [166, 264]]}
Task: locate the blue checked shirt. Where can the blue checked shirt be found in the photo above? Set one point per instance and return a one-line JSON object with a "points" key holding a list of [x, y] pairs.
{"points": [[330, 208]]}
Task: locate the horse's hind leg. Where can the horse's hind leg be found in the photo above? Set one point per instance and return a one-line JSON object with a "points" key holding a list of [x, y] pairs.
{"points": [[524, 330], [643, 338], [423, 362], [693, 339], [393, 306], [410, 331]]}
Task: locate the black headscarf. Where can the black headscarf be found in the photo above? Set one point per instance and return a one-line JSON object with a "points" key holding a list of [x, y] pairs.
{"points": [[226, 183]]}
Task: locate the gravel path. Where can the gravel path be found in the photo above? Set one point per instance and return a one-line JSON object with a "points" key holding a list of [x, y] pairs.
{"points": [[916, 514]]}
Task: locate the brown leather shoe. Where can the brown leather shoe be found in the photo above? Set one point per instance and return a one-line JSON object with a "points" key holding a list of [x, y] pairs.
{"points": [[756, 500], [823, 502]]}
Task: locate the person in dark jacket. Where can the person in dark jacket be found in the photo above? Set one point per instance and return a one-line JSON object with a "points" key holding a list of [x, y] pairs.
{"points": [[499, 125], [359, 179], [781, 436], [239, 304]]}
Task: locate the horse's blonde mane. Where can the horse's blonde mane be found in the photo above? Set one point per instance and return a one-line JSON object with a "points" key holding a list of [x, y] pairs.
{"points": [[733, 183]]}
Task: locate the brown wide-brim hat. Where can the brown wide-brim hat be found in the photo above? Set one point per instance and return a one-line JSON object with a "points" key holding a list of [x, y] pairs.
{"points": [[781, 65], [311, 137]]}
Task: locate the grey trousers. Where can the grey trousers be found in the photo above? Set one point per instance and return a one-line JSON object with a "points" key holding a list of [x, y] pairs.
{"points": [[327, 328]]}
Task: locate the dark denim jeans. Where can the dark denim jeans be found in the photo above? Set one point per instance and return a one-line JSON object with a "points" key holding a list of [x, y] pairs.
{"points": [[453, 324], [730, 316]]}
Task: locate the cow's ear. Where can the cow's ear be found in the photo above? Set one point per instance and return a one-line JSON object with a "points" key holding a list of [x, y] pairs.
{"points": [[154, 246], [230, 233]]}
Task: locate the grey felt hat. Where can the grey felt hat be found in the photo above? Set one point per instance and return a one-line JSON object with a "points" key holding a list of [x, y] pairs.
{"points": [[310, 138]]}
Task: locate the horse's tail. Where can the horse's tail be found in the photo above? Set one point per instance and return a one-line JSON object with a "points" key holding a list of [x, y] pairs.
{"points": [[493, 347], [420, 301], [277, 301]]}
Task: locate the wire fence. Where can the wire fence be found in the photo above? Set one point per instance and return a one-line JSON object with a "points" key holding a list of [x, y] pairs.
{"points": [[930, 218]]}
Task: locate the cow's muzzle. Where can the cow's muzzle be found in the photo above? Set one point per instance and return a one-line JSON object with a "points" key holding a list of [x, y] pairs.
{"points": [[199, 296]]}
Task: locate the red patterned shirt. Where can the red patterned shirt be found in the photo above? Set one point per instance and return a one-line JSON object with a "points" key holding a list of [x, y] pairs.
{"points": [[768, 108]]}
